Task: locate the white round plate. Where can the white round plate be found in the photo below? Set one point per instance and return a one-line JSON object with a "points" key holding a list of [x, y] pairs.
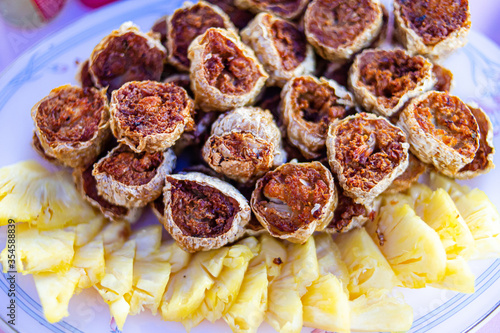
{"points": [[54, 62]]}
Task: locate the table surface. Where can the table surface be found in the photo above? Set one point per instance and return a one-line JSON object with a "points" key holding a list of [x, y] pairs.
{"points": [[15, 41]]}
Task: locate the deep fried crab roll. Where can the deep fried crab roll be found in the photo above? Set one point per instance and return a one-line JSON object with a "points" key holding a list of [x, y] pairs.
{"points": [[83, 76], [288, 9], [72, 124], [483, 160], [280, 46], [384, 80], [338, 29], [308, 106], [239, 17], [150, 116], [442, 131], [126, 55], [130, 179], [203, 212], [189, 22], [433, 28], [225, 74], [411, 175], [295, 200], [349, 214], [160, 27], [244, 144], [367, 153], [87, 186], [444, 78], [37, 146]]}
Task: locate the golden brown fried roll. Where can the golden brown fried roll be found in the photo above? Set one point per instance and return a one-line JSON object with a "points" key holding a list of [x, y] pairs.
{"points": [[483, 160], [160, 27], [411, 175], [433, 28], [150, 116], [280, 46], [189, 22], [203, 212], [367, 153], [338, 29], [441, 130], [130, 179], [308, 106], [87, 186], [239, 17], [83, 76], [384, 80], [245, 143], [444, 78], [126, 55], [288, 9], [295, 200], [225, 73], [72, 124]]}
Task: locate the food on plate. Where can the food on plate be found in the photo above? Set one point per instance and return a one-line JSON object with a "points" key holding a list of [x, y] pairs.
{"points": [[432, 28], [444, 78], [126, 55], [410, 176], [160, 27], [308, 106], [225, 73], [244, 144], [339, 29], [442, 130], [239, 17], [150, 116], [72, 124], [295, 200], [280, 46], [83, 76], [189, 22], [384, 80], [203, 212], [367, 153], [129, 179], [288, 9]]}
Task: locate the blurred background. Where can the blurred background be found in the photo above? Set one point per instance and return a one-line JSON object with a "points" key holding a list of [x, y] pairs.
{"points": [[24, 23]]}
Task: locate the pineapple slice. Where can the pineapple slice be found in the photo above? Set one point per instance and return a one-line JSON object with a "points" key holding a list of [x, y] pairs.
{"points": [[90, 260], [171, 252], [114, 235], [439, 212], [330, 259], [29, 193], [87, 231], [41, 251], [368, 269], [412, 248], [458, 277], [378, 311], [186, 289], [301, 269], [454, 189], [55, 291], [273, 253], [147, 241]]}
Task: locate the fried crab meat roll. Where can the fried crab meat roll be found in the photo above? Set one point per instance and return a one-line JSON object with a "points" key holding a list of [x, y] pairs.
{"points": [[189, 22], [367, 153], [288, 9], [203, 212], [225, 74], [239, 17], [160, 27], [442, 131], [411, 175], [126, 55], [483, 160], [72, 124], [87, 186], [338, 29], [384, 80], [308, 106], [349, 215], [244, 144], [444, 78], [130, 179], [150, 116], [280, 46], [83, 76], [433, 28], [295, 200]]}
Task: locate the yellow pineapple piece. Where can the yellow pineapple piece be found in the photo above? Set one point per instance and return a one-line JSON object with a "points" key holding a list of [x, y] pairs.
{"points": [[378, 311], [119, 309], [458, 277], [454, 189], [86, 231], [114, 235], [41, 251], [330, 259], [147, 241], [171, 252], [90, 260], [368, 269], [55, 290], [274, 254], [412, 248]]}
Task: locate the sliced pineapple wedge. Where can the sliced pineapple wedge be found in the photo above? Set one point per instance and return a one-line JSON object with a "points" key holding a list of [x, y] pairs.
{"points": [[330, 259], [378, 311], [458, 277], [114, 235], [274, 254], [454, 189], [412, 248], [147, 241], [90, 260], [368, 268], [171, 252], [86, 231]]}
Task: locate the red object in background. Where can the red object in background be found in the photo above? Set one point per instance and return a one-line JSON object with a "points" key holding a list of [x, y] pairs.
{"points": [[96, 3]]}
